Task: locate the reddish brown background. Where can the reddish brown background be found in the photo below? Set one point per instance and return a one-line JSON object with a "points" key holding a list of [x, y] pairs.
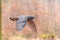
{"points": [[47, 13]]}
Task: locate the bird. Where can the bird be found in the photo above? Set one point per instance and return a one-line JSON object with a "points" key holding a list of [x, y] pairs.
{"points": [[22, 20]]}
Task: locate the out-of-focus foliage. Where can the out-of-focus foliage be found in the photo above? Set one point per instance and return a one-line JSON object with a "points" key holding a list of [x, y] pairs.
{"points": [[0, 21], [46, 13]]}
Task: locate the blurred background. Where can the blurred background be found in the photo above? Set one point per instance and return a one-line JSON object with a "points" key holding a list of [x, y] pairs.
{"points": [[46, 13]]}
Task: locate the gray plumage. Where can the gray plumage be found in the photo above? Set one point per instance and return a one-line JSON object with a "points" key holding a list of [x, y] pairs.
{"points": [[22, 20]]}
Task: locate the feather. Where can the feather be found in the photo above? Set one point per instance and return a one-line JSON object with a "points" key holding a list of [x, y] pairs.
{"points": [[14, 19], [32, 25], [21, 22]]}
